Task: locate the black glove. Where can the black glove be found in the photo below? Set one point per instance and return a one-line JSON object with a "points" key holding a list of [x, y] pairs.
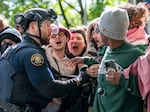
{"points": [[82, 78]]}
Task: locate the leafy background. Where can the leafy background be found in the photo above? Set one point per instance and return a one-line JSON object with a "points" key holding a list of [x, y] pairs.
{"points": [[70, 12]]}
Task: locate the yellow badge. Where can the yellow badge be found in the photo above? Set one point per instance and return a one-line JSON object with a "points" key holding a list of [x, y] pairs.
{"points": [[37, 59]]}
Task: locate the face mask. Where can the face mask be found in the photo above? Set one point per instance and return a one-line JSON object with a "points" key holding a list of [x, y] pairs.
{"points": [[4, 47]]}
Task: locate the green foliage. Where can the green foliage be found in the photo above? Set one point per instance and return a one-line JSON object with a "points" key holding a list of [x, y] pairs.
{"points": [[4, 8], [71, 9], [10, 8], [95, 10], [99, 6]]}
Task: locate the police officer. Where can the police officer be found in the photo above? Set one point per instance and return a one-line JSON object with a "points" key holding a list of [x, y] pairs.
{"points": [[33, 82]]}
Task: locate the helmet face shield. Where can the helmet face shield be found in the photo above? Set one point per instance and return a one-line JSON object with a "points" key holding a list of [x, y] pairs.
{"points": [[55, 27]]}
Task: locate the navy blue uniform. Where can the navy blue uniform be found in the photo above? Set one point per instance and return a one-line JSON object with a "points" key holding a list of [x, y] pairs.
{"points": [[33, 82]]}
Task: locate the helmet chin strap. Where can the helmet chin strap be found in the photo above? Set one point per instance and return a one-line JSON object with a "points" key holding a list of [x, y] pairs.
{"points": [[32, 35], [39, 25], [39, 37]]}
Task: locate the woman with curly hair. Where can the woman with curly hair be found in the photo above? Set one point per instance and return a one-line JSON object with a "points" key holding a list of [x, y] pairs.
{"points": [[136, 34]]}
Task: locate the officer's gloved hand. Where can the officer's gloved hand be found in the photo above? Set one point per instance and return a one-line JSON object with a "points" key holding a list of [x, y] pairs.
{"points": [[82, 78]]}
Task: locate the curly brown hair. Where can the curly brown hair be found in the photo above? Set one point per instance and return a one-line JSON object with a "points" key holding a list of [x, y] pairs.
{"points": [[135, 13]]}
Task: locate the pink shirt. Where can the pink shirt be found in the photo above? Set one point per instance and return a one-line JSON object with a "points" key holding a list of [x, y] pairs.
{"points": [[141, 68]]}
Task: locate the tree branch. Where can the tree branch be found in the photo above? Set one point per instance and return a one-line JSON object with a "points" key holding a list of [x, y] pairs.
{"points": [[63, 13], [72, 6]]}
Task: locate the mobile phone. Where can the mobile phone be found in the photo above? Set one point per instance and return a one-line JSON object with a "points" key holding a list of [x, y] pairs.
{"points": [[110, 65]]}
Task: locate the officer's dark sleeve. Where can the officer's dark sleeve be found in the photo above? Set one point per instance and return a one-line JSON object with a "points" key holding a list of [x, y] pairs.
{"points": [[41, 78], [56, 88]]}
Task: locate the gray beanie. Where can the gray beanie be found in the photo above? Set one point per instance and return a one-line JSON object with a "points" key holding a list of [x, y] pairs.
{"points": [[114, 23]]}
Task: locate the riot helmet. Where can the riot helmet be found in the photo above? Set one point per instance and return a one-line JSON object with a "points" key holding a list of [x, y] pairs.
{"points": [[34, 14]]}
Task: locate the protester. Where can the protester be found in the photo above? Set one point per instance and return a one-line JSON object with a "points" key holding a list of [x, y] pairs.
{"points": [[140, 68], [57, 52], [9, 36], [136, 33], [93, 61], [122, 96], [91, 44], [90, 61], [77, 44]]}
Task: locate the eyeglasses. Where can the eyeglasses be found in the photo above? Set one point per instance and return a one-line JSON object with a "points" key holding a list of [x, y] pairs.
{"points": [[96, 30], [60, 34]]}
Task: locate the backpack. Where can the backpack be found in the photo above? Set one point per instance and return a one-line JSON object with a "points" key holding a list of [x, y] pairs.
{"points": [[7, 71]]}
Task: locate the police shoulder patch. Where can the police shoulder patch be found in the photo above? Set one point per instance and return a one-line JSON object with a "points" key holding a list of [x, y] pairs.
{"points": [[37, 59]]}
